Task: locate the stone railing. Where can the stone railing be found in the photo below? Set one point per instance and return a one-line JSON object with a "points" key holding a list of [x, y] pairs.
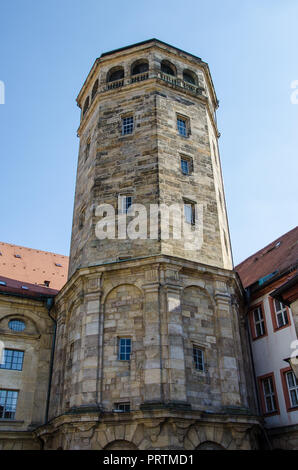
{"points": [[139, 77], [115, 84], [171, 79], [180, 83]]}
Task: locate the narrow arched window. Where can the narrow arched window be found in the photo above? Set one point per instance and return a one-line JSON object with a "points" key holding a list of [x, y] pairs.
{"points": [[94, 89], [189, 77], [168, 68], [116, 73], [86, 105], [139, 67]]}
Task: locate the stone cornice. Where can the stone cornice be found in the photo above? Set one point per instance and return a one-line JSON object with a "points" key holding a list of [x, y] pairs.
{"points": [[75, 283]]}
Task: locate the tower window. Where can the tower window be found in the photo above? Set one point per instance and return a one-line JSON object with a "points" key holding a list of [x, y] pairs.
{"points": [[139, 67], [189, 77], [168, 68], [94, 89], [125, 202], [87, 150], [186, 165], [117, 73], [183, 126], [124, 349], [127, 125], [82, 217], [198, 357], [12, 359], [190, 212], [8, 403], [86, 105]]}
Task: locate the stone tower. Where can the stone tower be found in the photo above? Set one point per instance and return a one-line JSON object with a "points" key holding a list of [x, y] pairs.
{"points": [[150, 347]]}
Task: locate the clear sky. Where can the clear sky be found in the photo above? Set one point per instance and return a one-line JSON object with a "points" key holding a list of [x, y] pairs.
{"points": [[46, 50]]}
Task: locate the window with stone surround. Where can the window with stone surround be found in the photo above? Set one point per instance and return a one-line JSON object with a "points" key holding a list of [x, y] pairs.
{"points": [[189, 212], [198, 357], [127, 125], [94, 89], [87, 149], [190, 77], [124, 349], [86, 105], [82, 216], [123, 407], [183, 125], [168, 68], [12, 359], [124, 204], [186, 164], [8, 403]]}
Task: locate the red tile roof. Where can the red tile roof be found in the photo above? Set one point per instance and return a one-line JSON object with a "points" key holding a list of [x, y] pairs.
{"points": [[24, 288], [277, 256], [33, 266]]}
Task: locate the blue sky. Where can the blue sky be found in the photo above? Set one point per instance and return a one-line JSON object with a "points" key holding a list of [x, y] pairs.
{"points": [[47, 49]]}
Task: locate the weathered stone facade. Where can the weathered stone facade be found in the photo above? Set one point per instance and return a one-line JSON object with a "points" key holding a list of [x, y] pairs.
{"points": [[165, 306], [33, 380], [163, 295]]}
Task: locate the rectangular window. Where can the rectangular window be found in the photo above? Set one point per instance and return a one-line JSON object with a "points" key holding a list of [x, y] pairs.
{"points": [[292, 384], [127, 125], [269, 395], [198, 357], [186, 165], [124, 204], [281, 313], [190, 212], [8, 404], [182, 126], [12, 359], [259, 322], [124, 349], [124, 407]]}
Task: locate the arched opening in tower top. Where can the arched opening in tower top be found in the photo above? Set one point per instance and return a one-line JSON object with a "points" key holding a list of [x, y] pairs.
{"points": [[141, 66], [168, 68], [190, 77], [94, 89], [86, 105], [116, 73]]}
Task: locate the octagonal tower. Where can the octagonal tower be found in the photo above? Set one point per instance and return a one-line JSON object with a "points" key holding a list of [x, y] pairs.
{"points": [[151, 351]]}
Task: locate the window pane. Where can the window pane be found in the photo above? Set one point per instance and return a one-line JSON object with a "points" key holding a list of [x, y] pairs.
{"points": [[290, 378], [181, 125], [198, 357], [16, 325], [127, 125], [8, 403], [124, 349], [294, 400], [280, 321], [12, 359], [184, 166], [268, 404]]}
